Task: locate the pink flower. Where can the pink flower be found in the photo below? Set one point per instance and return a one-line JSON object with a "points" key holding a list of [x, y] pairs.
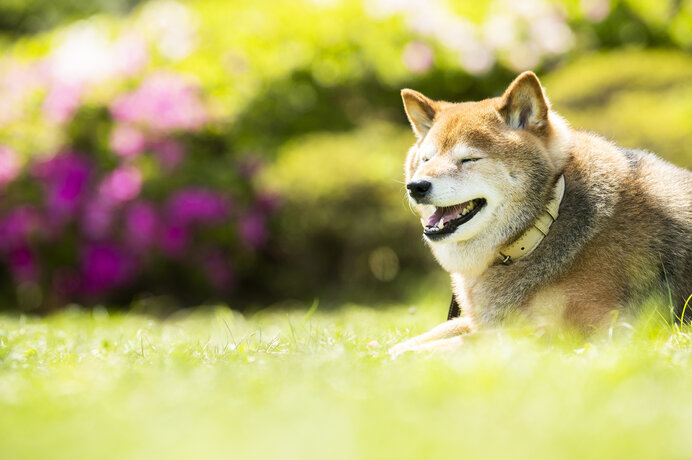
{"points": [[253, 229], [19, 78], [163, 102], [417, 57], [97, 218], [105, 266], [18, 226], [169, 152], [130, 54], [218, 270], [174, 240], [250, 166], [268, 202], [23, 264], [61, 102], [197, 205], [9, 165], [141, 225], [18, 81], [123, 184], [596, 10], [66, 176], [126, 140]]}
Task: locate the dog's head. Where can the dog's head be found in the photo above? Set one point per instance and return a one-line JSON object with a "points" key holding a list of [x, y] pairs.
{"points": [[481, 172]]}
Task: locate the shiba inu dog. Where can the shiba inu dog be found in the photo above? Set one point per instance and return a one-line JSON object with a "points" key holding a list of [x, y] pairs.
{"points": [[535, 219]]}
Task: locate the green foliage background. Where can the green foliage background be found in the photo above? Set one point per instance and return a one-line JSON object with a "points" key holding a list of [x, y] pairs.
{"points": [[312, 87]]}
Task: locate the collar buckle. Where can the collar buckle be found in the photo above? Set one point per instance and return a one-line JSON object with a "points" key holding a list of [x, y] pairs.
{"points": [[532, 237]]}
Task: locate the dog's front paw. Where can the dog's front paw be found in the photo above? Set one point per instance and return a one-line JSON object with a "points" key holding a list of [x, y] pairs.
{"points": [[402, 347], [440, 345]]}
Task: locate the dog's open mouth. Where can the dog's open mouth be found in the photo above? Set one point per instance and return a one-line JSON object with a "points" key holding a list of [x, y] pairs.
{"points": [[447, 219]]}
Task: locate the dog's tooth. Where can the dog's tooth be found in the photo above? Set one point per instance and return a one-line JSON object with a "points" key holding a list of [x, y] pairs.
{"points": [[465, 211], [471, 205]]}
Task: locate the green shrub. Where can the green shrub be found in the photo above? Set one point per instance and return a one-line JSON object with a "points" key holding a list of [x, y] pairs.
{"points": [[640, 99]]}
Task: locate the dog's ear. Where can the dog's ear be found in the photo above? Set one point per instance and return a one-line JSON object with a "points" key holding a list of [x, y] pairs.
{"points": [[420, 111], [524, 105]]}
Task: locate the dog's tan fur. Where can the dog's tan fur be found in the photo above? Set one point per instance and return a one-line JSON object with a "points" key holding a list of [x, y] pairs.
{"points": [[624, 232]]}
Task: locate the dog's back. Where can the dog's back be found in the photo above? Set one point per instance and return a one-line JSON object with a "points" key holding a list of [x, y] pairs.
{"points": [[670, 213], [633, 212]]}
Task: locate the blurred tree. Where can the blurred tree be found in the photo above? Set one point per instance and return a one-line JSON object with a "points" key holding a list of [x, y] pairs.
{"points": [[19, 17]]}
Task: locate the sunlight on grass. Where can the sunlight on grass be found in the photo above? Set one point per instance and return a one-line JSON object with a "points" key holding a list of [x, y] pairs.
{"points": [[215, 384]]}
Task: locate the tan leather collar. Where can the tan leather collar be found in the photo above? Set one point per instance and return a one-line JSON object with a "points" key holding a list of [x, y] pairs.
{"points": [[531, 238]]}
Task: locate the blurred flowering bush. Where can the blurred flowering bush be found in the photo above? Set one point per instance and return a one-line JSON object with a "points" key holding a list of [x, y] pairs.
{"points": [[128, 189], [133, 150]]}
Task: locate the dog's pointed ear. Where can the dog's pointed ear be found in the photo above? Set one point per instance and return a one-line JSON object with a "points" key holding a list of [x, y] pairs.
{"points": [[524, 105], [420, 111]]}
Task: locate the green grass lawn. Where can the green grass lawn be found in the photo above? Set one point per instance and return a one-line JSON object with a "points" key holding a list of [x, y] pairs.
{"points": [[294, 385]]}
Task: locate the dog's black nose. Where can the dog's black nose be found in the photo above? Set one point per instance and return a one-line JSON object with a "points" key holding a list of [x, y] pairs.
{"points": [[418, 189]]}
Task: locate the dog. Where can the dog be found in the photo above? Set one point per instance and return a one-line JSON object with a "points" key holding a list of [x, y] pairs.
{"points": [[536, 220]]}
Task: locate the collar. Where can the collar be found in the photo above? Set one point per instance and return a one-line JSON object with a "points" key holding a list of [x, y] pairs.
{"points": [[532, 237]]}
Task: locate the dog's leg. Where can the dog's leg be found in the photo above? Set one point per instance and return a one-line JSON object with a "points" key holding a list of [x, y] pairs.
{"points": [[443, 345], [451, 328]]}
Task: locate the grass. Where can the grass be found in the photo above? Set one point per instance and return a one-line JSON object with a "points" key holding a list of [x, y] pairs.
{"points": [[315, 385]]}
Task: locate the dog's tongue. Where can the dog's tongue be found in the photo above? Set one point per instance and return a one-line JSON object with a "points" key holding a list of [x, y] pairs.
{"points": [[445, 214]]}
